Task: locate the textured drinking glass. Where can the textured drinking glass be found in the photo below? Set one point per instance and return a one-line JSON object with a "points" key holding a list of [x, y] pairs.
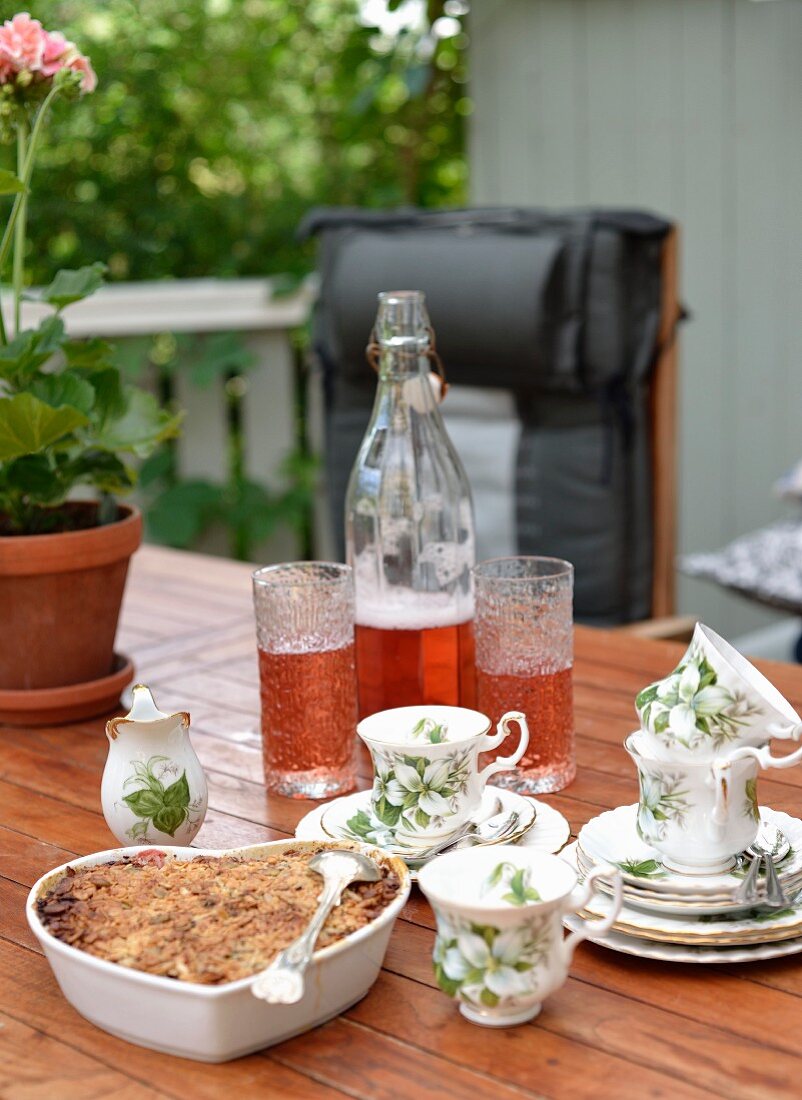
{"points": [[307, 678], [524, 658]]}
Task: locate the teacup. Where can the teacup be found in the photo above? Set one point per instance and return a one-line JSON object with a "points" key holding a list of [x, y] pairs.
{"points": [[700, 814], [427, 781], [500, 949], [714, 699]]}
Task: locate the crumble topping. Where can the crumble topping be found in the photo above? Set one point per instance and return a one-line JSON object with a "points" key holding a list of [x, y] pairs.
{"points": [[209, 920]]}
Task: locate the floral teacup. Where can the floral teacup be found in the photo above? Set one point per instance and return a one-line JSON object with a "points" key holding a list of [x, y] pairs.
{"points": [[700, 814], [427, 781], [500, 949], [713, 700]]}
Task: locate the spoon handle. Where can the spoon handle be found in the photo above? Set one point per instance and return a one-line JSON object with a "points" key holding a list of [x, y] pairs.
{"points": [[747, 891], [775, 895], [283, 981]]}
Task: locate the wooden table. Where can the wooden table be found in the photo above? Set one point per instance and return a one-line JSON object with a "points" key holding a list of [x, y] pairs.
{"points": [[619, 1028]]}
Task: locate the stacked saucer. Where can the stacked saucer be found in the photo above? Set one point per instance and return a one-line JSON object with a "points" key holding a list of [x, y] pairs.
{"points": [[663, 908], [683, 849]]}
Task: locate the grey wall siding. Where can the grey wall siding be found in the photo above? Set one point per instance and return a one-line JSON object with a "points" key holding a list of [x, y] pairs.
{"points": [[692, 108]]}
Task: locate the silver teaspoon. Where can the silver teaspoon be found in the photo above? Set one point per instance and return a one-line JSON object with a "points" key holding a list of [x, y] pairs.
{"points": [[283, 981], [773, 846]]}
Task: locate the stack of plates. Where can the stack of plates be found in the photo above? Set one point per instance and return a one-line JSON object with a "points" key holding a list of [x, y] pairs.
{"points": [[691, 918]]}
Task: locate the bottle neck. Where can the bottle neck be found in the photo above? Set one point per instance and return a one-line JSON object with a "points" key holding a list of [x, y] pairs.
{"points": [[401, 362]]}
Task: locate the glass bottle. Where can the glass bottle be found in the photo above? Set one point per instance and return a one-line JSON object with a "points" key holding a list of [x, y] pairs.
{"points": [[409, 527]]}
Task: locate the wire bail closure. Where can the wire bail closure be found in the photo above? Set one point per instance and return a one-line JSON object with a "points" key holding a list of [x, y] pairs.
{"points": [[373, 356]]}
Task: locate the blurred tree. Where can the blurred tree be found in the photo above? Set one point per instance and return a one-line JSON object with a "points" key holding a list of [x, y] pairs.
{"points": [[218, 123]]}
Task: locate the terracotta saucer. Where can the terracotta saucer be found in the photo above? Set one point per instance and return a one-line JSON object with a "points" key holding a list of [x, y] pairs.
{"points": [[59, 705]]}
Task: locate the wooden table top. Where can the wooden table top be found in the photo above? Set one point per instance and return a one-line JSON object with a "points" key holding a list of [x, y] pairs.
{"points": [[620, 1027]]}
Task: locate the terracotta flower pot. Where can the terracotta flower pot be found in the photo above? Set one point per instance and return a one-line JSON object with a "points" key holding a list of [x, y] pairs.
{"points": [[60, 599]]}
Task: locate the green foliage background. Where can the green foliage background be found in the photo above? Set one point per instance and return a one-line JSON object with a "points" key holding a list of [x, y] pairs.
{"points": [[215, 126], [218, 123]]}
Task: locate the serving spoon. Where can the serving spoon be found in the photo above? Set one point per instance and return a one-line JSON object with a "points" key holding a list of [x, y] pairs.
{"points": [[283, 981]]}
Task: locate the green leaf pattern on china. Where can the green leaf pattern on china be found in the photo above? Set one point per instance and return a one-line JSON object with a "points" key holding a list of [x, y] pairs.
{"points": [[484, 965], [691, 707], [517, 881], [166, 807], [642, 868]]}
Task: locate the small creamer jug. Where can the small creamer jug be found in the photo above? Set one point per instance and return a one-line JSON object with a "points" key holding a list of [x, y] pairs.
{"points": [[153, 789]]}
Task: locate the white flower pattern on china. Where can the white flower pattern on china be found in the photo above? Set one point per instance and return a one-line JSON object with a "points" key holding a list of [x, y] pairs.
{"points": [[412, 793], [661, 801], [485, 964], [692, 707]]}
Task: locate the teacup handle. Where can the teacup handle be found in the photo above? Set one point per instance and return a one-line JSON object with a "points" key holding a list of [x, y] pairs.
{"points": [[577, 902], [720, 768], [785, 733], [762, 755], [492, 741]]}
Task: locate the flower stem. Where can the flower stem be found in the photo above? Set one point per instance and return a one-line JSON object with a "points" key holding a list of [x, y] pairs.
{"points": [[18, 270], [26, 173]]}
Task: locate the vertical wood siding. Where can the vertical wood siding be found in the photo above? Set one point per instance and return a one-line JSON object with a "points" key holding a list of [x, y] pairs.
{"points": [[693, 109]]}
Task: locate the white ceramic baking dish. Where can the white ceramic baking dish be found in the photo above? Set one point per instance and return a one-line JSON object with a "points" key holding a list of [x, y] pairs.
{"points": [[213, 1023]]}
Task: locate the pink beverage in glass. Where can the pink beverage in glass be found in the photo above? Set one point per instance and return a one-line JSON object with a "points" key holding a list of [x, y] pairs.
{"points": [[307, 677], [524, 660]]}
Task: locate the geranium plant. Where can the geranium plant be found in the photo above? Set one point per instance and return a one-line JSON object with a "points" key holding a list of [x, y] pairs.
{"points": [[66, 417]]}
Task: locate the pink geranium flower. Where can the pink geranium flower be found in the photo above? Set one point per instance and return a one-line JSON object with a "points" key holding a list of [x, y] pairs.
{"points": [[81, 64], [22, 42], [56, 48]]}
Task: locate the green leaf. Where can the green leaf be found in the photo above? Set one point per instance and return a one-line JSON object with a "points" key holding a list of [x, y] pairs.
{"points": [[661, 722], [110, 397], [513, 899], [495, 876], [387, 812], [89, 355], [35, 477], [648, 695], [156, 468], [488, 998], [360, 824], [448, 985], [182, 512], [64, 388], [421, 818], [28, 425], [219, 356], [177, 794], [9, 183], [144, 803], [22, 356], [517, 881], [101, 469], [168, 819], [140, 427], [72, 286]]}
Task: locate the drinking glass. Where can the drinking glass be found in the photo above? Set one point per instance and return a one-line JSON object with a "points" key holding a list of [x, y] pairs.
{"points": [[307, 678], [523, 626]]}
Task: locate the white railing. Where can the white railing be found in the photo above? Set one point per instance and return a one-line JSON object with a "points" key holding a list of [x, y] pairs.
{"points": [[247, 306]]}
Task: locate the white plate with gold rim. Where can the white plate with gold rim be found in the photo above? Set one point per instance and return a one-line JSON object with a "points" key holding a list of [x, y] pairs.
{"points": [[682, 905], [548, 834], [682, 953], [612, 837], [753, 926]]}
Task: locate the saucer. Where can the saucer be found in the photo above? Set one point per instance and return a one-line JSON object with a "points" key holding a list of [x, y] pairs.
{"points": [[612, 838], [681, 953], [743, 928], [548, 834], [350, 818], [680, 904]]}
